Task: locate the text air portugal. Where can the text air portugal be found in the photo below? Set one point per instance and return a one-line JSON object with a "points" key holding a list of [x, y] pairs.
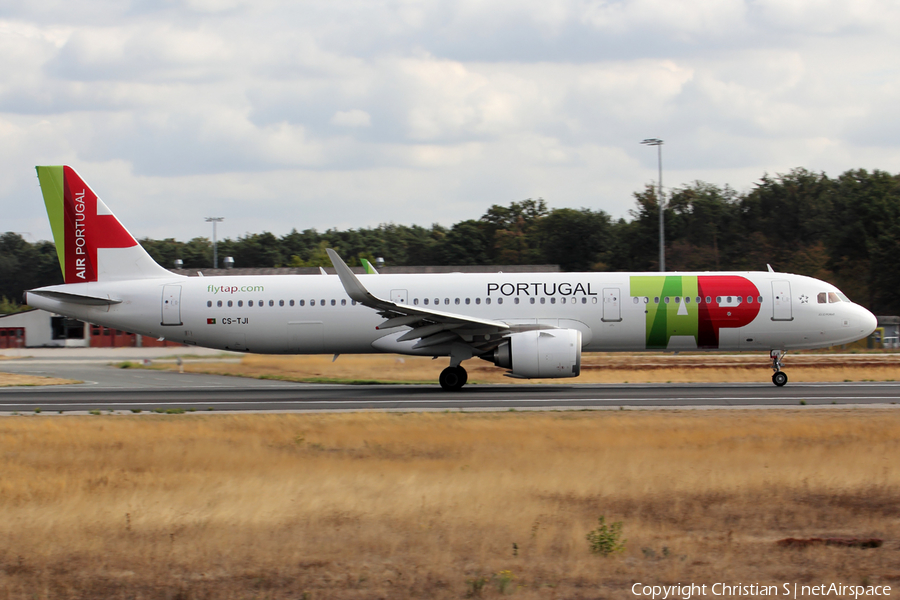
{"points": [[86, 230]]}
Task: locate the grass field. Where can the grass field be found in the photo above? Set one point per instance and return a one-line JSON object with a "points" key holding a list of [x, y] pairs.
{"points": [[596, 368], [435, 505], [11, 379]]}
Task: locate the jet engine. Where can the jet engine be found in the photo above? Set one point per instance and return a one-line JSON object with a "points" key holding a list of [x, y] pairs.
{"points": [[540, 353]]}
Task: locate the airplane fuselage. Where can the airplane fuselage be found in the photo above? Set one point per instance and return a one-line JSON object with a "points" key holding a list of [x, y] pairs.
{"points": [[294, 314]]}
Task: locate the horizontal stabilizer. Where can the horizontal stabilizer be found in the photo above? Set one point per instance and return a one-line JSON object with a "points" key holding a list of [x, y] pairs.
{"points": [[73, 298]]}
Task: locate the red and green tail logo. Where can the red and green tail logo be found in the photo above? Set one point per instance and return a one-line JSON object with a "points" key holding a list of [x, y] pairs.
{"points": [[81, 223]]}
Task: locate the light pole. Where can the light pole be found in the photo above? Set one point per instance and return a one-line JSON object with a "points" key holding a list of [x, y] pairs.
{"points": [[215, 220], [659, 200]]}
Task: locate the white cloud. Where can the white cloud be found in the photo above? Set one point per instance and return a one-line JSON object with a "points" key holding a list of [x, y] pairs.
{"points": [[351, 118], [323, 114]]}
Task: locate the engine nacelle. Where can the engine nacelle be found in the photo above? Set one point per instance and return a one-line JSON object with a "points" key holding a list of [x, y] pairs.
{"points": [[541, 353]]}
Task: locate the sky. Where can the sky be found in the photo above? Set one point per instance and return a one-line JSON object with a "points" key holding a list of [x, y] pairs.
{"points": [[348, 113]]}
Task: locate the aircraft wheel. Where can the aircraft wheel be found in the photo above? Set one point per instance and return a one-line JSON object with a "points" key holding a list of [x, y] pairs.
{"points": [[453, 378], [779, 378]]}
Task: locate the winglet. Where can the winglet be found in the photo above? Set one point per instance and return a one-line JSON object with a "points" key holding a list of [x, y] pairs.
{"points": [[352, 285], [367, 267], [771, 270]]}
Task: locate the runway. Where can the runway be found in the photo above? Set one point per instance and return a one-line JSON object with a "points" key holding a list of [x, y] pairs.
{"points": [[108, 388]]}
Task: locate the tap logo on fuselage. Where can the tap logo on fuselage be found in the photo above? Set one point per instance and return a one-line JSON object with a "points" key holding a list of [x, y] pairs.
{"points": [[694, 305]]}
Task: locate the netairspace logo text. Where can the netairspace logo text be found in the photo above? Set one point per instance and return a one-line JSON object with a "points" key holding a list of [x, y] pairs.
{"points": [[790, 590]]}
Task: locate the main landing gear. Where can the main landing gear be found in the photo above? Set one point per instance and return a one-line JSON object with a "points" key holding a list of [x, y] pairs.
{"points": [[453, 378], [779, 378]]}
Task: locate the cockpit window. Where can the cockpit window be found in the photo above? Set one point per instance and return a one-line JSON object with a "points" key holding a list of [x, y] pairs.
{"points": [[831, 297]]}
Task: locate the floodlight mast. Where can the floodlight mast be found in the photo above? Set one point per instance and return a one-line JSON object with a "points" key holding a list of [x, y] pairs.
{"points": [[215, 220], [660, 202]]}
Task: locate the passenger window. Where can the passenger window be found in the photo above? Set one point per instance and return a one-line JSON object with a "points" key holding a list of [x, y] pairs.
{"points": [[333, 302], [240, 303], [209, 304], [260, 303], [543, 301], [553, 300], [728, 299], [666, 299], [312, 302], [219, 304], [456, 301], [655, 300], [303, 303], [759, 299], [739, 299], [687, 299], [343, 302], [425, 301], [499, 300], [749, 299], [291, 302], [635, 300], [708, 299], [718, 299], [446, 300], [516, 301], [584, 299], [594, 300], [322, 302], [531, 300], [468, 300], [477, 300], [822, 298], [437, 301], [415, 301], [832, 297], [487, 300], [249, 302], [677, 299], [281, 303], [230, 304]]}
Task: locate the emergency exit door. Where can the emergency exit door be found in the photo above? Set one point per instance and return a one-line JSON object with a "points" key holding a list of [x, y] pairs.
{"points": [[171, 305], [611, 305]]}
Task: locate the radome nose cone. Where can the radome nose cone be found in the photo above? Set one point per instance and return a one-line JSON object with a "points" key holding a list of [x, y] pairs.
{"points": [[869, 322]]}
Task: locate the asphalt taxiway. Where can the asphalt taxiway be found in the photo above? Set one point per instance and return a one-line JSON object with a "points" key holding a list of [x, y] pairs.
{"points": [[106, 388]]}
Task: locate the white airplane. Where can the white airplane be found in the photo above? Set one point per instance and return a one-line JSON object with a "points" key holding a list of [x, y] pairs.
{"points": [[535, 325]]}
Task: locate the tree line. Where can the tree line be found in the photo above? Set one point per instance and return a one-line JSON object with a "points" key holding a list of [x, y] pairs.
{"points": [[845, 230]]}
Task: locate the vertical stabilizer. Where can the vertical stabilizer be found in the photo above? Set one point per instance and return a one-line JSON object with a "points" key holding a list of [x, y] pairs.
{"points": [[91, 243]]}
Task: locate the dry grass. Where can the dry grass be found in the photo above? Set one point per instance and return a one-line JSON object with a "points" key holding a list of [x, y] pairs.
{"points": [[10, 379], [377, 505], [596, 368]]}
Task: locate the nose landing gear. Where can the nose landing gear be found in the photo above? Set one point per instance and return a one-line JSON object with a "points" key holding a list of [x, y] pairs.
{"points": [[779, 378]]}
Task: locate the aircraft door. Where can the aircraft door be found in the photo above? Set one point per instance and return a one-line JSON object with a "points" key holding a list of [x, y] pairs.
{"points": [[611, 305], [171, 305], [781, 295], [399, 296]]}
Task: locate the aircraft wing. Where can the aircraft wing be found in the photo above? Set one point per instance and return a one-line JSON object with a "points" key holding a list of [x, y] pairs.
{"points": [[430, 326]]}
